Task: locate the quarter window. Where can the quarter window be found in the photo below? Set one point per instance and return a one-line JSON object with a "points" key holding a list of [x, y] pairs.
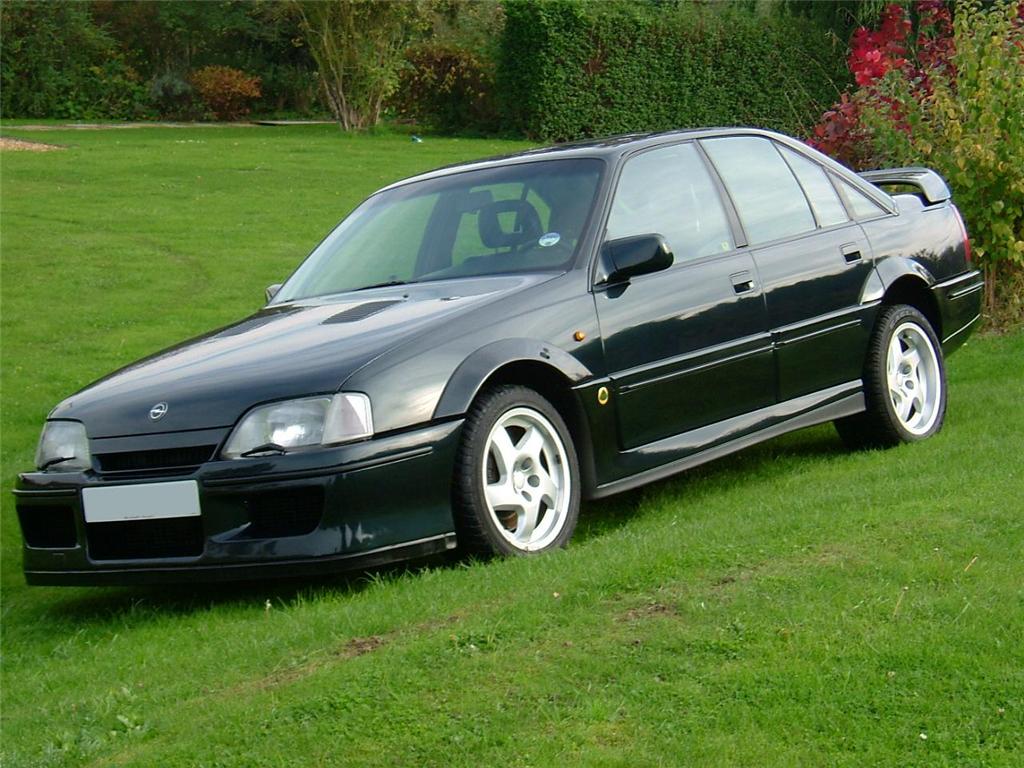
{"points": [[863, 207], [669, 191], [828, 208], [768, 198]]}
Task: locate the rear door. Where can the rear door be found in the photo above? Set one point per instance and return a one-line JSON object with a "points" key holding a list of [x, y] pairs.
{"points": [[812, 259], [688, 346]]}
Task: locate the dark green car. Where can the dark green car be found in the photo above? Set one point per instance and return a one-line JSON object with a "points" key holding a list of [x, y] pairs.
{"points": [[474, 350]]}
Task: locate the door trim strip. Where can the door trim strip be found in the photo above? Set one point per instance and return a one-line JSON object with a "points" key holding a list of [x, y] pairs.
{"points": [[681, 360]]}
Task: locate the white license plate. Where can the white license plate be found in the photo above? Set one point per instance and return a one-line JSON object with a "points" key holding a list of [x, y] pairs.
{"points": [[149, 501]]}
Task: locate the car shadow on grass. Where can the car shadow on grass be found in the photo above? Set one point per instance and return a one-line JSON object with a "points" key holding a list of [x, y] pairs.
{"points": [[99, 605], [597, 518], [604, 516]]}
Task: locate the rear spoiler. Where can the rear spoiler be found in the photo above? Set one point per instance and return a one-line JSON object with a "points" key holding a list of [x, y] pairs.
{"points": [[931, 185]]}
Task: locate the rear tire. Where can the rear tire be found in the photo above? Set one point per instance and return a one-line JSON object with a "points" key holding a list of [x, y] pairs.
{"points": [[516, 489], [904, 383]]}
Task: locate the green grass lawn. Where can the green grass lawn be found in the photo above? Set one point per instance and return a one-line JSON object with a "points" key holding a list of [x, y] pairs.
{"points": [[794, 604]]}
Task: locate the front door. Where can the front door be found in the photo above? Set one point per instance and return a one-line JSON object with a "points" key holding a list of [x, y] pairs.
{"points": [[688, 346]]}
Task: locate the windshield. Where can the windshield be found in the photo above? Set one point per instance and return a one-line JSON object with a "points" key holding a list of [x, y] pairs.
{"points": [[515, 218]]}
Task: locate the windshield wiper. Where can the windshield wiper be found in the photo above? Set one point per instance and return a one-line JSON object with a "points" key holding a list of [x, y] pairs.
{"points": [[57, 460], [266, 448], [385, 284]]}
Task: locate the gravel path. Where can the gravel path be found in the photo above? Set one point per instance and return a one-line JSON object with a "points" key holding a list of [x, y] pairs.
{"points": [[19, 145]]}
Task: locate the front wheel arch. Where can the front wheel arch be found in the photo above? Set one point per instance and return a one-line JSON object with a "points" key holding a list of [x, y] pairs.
{"points": [[522, 362]]}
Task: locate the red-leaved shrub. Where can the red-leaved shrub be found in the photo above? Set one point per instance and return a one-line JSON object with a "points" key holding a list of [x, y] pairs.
{"points": [[947, 95], [874, 53]]}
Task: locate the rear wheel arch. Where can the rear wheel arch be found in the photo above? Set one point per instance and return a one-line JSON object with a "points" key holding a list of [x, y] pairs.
{"points": [[912, 290], [905, 281]]}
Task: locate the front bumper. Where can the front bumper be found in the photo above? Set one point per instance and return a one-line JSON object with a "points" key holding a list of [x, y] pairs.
{"points": [[306, 513]]}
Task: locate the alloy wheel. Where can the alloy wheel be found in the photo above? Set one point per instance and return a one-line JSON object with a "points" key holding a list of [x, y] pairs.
{"points": [[527, 483], [913, 378]]}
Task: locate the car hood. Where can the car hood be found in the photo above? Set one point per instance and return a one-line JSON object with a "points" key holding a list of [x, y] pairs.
{"points": [[282, 351]]}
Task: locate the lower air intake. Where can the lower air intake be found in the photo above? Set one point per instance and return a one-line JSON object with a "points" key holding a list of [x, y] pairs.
{"points": [[48, 526], [292, 512], [145, 539]]}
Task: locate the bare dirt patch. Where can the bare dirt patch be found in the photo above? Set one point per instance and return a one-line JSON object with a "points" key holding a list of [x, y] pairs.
{"points": [[357, 646], [19, 145], [648, 611]]}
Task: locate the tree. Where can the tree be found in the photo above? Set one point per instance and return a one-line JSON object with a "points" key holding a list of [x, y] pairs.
{"points": [[359, 49], [56, 61]]}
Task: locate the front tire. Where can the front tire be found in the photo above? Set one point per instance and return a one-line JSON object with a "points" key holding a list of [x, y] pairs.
{"points": [[904, 383], [517, 479]]}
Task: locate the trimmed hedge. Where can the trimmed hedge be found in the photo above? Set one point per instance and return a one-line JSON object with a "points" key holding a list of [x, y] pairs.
{"points": [[571, 69]]}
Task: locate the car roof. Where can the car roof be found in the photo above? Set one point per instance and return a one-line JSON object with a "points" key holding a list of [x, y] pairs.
{"points": [[607, 147], [611, 148]]}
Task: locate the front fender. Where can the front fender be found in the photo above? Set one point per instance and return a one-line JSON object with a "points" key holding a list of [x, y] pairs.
{"points": [[471, 374]]}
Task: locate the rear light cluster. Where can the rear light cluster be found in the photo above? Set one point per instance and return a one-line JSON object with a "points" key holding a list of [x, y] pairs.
{"points": [[963, 234]]}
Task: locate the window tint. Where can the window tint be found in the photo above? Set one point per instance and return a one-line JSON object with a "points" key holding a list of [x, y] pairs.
{"points": [[468, 242], [768, 199], [394, 239], [669, 191], [513, 218], [863, 207], [828, 209]]}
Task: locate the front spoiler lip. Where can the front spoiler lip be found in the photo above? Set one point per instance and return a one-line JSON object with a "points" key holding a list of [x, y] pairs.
{"points": [[253, 571], [369, 518]]}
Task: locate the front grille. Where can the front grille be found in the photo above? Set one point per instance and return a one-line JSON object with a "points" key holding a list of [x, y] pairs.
{"points": [[145, 539], [48, 526], [161, 459], [292, 512]]}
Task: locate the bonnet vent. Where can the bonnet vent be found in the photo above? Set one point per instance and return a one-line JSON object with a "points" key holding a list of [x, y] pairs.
{"points": [[246, 325], [359, 312]]}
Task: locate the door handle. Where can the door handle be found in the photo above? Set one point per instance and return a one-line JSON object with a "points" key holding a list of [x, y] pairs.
{"points": [[851, 252], [742, 282]]}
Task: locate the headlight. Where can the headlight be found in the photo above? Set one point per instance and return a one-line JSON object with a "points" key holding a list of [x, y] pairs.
{"points": [[300, 424], [63, 447]]}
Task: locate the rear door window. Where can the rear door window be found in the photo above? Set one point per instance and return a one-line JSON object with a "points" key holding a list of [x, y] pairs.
{"points": [[768, 199]]}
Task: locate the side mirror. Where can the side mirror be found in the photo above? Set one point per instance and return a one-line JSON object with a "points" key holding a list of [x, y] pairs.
{"points": [[272, 291], [628, 257]]}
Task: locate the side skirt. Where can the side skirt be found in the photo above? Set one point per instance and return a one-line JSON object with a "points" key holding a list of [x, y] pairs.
{"points": [[846, 405]]}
